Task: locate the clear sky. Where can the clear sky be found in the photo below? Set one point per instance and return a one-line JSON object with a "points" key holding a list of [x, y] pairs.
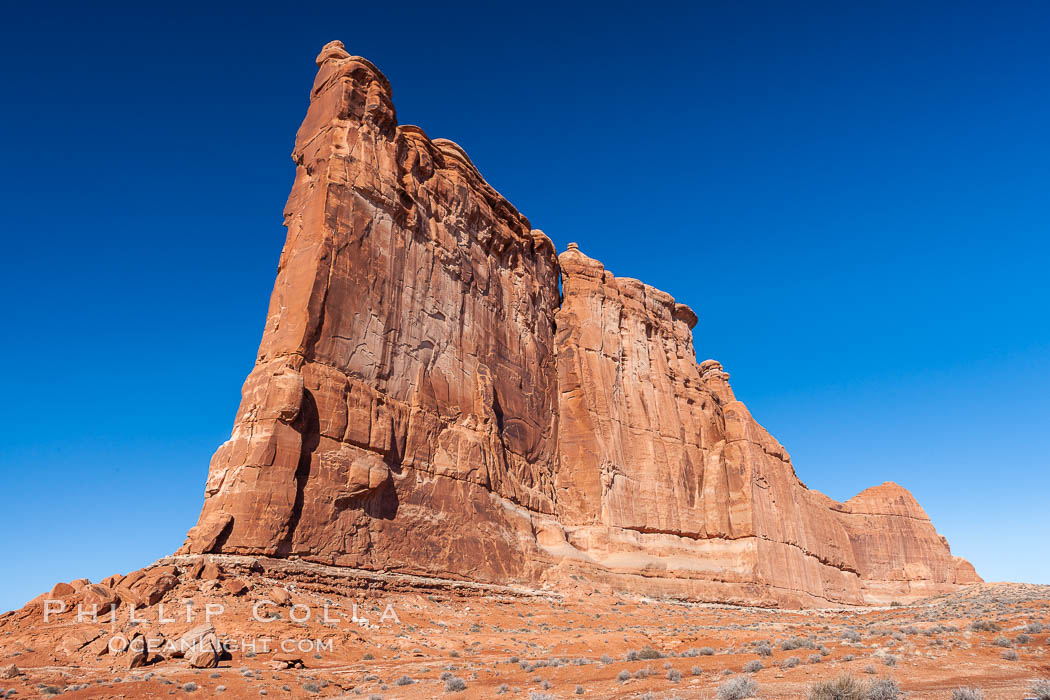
{"points": [[854, 200]]}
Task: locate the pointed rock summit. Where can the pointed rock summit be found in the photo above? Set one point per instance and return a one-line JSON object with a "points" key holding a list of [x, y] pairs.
{"points": [[438, 393]]}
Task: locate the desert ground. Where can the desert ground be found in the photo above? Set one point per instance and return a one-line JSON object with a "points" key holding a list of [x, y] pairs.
{"points": [[294, 630]]}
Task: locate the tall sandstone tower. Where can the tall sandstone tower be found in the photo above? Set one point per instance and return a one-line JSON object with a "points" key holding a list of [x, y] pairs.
{"points": [[427, 401]]}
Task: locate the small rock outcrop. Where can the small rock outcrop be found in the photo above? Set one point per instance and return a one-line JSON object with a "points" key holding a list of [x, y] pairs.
{"points": [[201, 647], [437, 392]]}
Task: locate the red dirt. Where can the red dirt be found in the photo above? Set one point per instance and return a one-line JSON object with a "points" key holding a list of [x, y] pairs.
{"points": [[491, 636]]}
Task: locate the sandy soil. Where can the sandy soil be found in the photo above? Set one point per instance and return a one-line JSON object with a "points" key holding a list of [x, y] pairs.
{"points": [[581, 641]]}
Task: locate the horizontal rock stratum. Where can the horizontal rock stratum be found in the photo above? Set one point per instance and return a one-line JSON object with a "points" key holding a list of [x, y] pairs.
{"points": [[428, 401]]}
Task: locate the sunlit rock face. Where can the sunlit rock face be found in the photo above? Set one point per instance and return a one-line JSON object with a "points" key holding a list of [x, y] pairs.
{"points": [[438, 393]]}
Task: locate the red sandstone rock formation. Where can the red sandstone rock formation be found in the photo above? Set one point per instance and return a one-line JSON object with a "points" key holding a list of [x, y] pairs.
{"points": [[426, 401]]}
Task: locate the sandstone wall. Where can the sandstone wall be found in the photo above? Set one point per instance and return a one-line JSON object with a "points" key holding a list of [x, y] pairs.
{"points": [[426, 400], [406, 371]]}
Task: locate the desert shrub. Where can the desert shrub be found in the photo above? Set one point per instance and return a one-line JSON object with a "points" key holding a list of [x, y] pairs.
{"points": [[606, 659], [632, 655], [1022, 639], [763, 649], [885, 689], [738, 688], [1010, 655], [579, 690], [843, 688], [797, 643], [534, 695], [967, 694], [1001, 642], [1034, 628], [790, 662], [674, 675], [984, 626], [648, 653], [753, 666], [623, 675], [404, 680], [455, 685], [870, 669], [1040, 690], [706, 651], [503, 689], [850, 635], [889, 660], [814, 659], [697, 671]]}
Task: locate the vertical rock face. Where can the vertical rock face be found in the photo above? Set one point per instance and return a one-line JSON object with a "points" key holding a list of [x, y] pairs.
{"points": [[426, 400], [405, 384]]}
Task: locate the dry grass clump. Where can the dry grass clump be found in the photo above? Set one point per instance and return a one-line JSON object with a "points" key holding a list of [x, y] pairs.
{"points": [[797, 643], [1040, 690], [885, 689], [984, 626], [648, 653], [846, 687], [842, 688], [738, 688]]}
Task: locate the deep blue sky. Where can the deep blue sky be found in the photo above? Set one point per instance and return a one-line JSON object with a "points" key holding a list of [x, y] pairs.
{"points": [[853, 200]]}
